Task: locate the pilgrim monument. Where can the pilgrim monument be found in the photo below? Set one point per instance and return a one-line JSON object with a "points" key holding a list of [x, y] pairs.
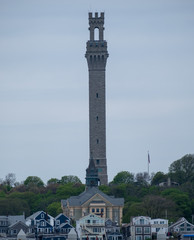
{"points": [[96, 55]]}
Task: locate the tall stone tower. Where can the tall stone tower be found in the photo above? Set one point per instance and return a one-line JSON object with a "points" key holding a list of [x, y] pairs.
{"points": [[96, 55]]}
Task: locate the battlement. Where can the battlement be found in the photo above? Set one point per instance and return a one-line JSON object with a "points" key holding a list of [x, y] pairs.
{"points": [[96, 15]]}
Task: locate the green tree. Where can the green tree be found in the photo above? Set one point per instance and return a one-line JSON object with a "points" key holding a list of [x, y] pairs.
{"points": [[33, 181], [158, 207], [142, 178], [132, 209], [53, 181], [182, 201], [70, 179], [123, 177], [54, 209], [9, 206], [182, 170], [158, 178]]}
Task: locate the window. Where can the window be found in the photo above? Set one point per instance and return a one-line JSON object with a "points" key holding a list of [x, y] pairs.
{"points": [[146, 230], [93, 210], [141, 221], [97, 161], [138, 230], [155, 222], [42, 223], [97, 141], [188, 229], [102, 209], [97, 209], [96, 118], [147, 237], [157, 229], [95, 229], [96, 95], [42, 215], [138, 238], [161, 222], [96, 34]]}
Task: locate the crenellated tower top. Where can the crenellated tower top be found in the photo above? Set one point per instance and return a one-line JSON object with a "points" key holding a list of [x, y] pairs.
{"points": [[96, 22], [96, 49]]}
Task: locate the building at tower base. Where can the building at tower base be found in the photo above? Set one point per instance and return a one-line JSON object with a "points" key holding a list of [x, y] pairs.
{"points": [[96, 202]]}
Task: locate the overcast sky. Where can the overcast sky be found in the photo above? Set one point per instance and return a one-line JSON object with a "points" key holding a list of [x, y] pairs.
{"points": [[44, 125]]}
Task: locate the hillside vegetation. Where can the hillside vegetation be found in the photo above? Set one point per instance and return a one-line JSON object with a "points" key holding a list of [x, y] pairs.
{"points": [[142, 194]]}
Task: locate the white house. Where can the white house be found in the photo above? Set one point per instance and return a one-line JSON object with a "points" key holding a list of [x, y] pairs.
{"points": [[91, 227], [159, 224], [140, 228]]}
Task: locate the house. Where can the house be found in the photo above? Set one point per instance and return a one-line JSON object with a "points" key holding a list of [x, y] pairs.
{"points": [[15, 228], [93, 201], [62, 224], [182, 229], [159, 226], [111, 226], [91, 227], [40, 222], [140, 228], [112, 230], [6, 221], [65, 228], [60, 219]]}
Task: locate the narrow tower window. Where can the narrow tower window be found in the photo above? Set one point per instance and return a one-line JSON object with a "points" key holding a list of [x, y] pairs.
{"points": [[96, 118], [96, 95], [96, 34], [97, 141]]}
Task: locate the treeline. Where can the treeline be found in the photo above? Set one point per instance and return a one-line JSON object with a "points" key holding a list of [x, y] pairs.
{"points": [[142, 193]]}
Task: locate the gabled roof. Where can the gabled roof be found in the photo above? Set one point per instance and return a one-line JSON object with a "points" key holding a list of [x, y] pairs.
{"points": [[21, 233], [65, 225], [36, 214], [179, 222], [15, 218], [88, 194], [61, 214], [17, 223]]}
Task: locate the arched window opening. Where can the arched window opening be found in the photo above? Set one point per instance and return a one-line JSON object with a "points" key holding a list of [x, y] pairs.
{"points": [[96, 34]]}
